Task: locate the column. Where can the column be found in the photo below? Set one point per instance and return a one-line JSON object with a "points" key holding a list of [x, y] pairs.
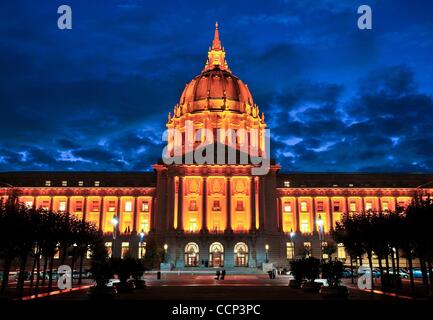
{"points": [[297, 228], [101, 212], [313, 211], [280, 215], [363, 204], [68, 204], [330, 212], [346, 199], [51, 203], [118, 214], [379, 202], [84, 208], [253, 204], [135, 217], [170, 203], [179, 205], [262, 206], [204, 207], [229, 200]]}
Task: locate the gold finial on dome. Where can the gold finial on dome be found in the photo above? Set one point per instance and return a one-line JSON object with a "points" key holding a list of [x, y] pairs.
{"points": [[216, 54], [216, 43]]}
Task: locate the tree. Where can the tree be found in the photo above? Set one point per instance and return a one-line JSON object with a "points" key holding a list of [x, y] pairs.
{"points": [[154, 254]]}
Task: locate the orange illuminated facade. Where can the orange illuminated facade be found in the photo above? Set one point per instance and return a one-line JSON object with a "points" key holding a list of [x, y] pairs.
{"points": [[212, 215]]}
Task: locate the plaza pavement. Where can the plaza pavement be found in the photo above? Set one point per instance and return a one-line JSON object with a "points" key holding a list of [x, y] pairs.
{"points": [[234, 287]]}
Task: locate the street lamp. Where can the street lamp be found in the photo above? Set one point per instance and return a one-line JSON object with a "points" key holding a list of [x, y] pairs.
{"points": [[141, 243], [292, 240], [114, 222], [267, 251], [292, 235], [165, 252], [320, 224]]}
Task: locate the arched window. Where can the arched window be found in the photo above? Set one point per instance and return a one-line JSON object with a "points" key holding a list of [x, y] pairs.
{"points": [[241, 254], [191, 254], [216, 254]]}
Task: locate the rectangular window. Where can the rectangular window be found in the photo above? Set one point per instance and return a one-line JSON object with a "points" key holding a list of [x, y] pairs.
{"points": [[141, 250], [287, 207], [352, 207], [324, 246], [337, 207], [64, 183], [320, 206], [216, 225], [80, 183], [144, 226], [287, 184], [111, 206], [341, 252], [193, 205], [79, 206], [45, 205], [145, 206], [97, 183], [125, 249], [95, 205], [304, 226], [48, 183], [193, 225], [29, 204], [216, 205], [128, 206], [239, 205], [368, 205], [385, 206], [290, 250], [62, 206], [304, 207], [109, 246], [307, 249]]}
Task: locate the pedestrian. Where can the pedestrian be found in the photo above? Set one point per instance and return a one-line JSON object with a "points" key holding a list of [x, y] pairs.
{"points": [[217, 275], [223, 274]]}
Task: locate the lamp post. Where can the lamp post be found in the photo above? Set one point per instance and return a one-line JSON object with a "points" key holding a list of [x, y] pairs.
{"points": [[320, 224], [292, 240], [267, 252], [114, 222], [141, 243], [165, 252]]}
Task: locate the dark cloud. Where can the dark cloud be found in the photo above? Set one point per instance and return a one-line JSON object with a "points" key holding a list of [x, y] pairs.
{"points": [[97, 97]]}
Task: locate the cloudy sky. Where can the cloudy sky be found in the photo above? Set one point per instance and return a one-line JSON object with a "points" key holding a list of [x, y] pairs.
{"points": [[336, 98]]}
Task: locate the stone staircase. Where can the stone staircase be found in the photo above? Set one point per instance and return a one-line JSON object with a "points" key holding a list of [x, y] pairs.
{"points": [[229, 270]]}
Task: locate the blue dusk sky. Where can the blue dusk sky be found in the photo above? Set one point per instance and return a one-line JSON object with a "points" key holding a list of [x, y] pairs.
{"points": [[336, 98]]}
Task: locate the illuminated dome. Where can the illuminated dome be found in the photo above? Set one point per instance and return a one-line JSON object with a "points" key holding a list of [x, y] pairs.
{"points": [[216, 88], [216, 99]]}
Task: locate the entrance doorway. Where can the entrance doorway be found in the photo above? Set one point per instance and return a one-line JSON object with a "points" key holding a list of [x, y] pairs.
{"points": [[216, 255], [241, 254], [191, 254]]}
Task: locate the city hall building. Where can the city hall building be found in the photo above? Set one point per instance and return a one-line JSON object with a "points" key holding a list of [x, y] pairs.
{"points": [[212, 214]]}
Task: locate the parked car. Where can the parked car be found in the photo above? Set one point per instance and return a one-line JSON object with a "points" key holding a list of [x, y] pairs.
{"points": [[27, 275], [111, 282], [375, 273], [417, 273], [347, 273], [290, 275], [324, 282], [403, 274]]}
